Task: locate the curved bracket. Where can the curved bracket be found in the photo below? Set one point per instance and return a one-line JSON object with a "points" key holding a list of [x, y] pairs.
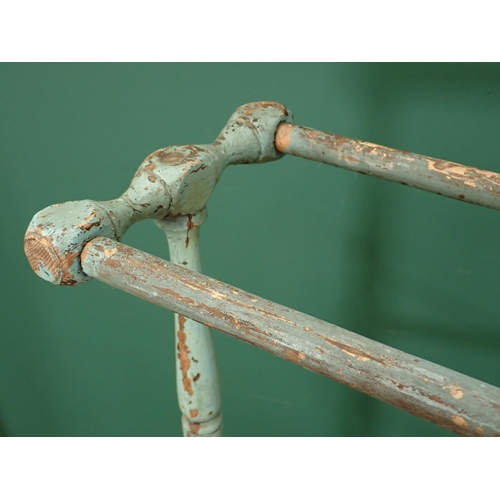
{"points": [[173, 181]]}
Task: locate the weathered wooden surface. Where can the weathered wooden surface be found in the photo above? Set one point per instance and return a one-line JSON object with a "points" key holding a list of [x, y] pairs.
{"points": [[447, 398], [174, 184], [198, 387], [461, 182], [173, 181]]}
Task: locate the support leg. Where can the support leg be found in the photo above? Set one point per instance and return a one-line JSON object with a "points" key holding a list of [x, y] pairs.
{"points": [[198, 386]]}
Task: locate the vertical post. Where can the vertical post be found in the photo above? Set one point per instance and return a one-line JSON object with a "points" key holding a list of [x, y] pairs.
{"points": [[198, 388]]}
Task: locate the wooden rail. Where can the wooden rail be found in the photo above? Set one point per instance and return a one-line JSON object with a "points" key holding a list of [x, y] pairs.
{"points": [[442, 396], [446, 178]]}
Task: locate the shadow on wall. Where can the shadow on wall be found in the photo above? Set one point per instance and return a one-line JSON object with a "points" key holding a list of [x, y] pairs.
{"points": [[410, 273]]}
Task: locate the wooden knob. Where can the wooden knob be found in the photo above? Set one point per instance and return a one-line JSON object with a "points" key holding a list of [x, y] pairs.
{"points": [[56, 236]]}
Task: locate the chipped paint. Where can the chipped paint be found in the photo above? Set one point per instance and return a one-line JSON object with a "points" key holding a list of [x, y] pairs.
{"points": [[460, 421], [183, 354], [456, 391]]}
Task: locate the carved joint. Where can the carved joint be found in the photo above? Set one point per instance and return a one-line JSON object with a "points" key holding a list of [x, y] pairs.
{"points": [[173, 181]]}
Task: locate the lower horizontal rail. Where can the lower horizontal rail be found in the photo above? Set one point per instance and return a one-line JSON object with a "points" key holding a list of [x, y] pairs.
{"points": [[479, 187], [442, 396]]}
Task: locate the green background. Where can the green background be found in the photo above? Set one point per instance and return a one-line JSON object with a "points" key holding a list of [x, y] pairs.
{"points": [[410, 269]]}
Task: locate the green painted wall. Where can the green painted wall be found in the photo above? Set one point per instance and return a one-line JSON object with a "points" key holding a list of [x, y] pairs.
{"points": [[411, 269]]}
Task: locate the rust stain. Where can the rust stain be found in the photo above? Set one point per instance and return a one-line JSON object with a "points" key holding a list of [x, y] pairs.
{"points": [[459, 421], [479, 430], [193, 413], [183, 356]]}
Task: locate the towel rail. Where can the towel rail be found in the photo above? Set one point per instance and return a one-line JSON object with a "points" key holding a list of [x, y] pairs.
{"points": [[446, 178], [73, 242], [442, 396]]}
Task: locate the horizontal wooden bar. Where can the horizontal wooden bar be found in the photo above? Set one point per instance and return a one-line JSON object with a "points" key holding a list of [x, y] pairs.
{"points": [[442, 396], [461, 182]]}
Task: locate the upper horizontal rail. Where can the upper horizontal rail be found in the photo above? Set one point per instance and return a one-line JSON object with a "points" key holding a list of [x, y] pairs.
{"points": [[442, 396], [479, 187]]}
